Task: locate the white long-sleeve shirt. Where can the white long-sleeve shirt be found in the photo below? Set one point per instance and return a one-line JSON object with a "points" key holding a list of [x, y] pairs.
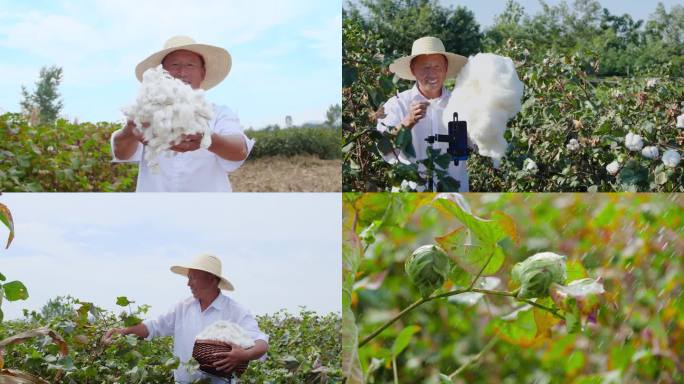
{"points": [[398, 107], [186, 320], [194, 171]]}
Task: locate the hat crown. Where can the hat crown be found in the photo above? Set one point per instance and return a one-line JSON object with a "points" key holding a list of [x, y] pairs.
{"points": [[207, 263], [178, 41], [427, 44]]}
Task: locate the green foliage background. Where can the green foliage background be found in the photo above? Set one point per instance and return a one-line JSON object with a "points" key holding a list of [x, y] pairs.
{"points": [[586, 75], [304, 347], [68, 157], [632, 241]]}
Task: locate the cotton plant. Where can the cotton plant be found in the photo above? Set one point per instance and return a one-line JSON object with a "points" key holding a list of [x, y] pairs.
{"points": [[227, 332], [633, 142], [671, 158], [172, 109], [487, 94]]}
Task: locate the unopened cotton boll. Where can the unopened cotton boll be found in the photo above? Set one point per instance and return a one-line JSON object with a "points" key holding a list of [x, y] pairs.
{"points": [[228, 332], [572, 145], [680, 121], [173, 109], [613, 167], [671, 158], [486, 95], [650, 152], [634, 142]]}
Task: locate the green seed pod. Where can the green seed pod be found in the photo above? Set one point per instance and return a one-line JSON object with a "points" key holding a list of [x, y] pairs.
{"points": [[536, 273], [427, 268]]}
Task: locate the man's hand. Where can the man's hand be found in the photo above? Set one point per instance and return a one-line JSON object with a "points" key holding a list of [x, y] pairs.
{"points": [[230, 360], [188, 143], [416, 112], [109, 336], [131, 130]]}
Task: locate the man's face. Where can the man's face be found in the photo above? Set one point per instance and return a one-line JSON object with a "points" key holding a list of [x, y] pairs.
{"points": [[201, 282], [186, 66], [430, 71]]}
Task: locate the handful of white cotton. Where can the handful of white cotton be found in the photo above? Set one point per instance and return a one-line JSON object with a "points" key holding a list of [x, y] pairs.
{"points": [[487, 94], [173, 109], [227, 332]]}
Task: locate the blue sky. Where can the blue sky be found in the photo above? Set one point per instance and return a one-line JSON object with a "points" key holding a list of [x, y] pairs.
{"points": [[286, 54], [279, 250]]}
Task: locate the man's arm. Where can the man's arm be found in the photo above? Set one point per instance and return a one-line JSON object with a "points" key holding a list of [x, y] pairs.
{"points": [[126, 141], [230, 360], [139, 330], [228, 147]]}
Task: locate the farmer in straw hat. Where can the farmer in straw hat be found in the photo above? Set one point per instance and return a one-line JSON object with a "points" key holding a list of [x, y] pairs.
{"points": [[189, 317], [193, 168], [420, 108]]}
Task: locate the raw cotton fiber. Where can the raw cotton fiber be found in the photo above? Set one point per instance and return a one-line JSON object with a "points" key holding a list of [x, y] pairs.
{"points": [[486, 95], [172, 108], [227, 332]]}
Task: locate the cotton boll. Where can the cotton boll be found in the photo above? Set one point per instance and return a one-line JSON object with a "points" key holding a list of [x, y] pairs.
{"points": [[613, 167], [671, 158], [173, 109], [487, 94], [573, 145], [633, 142], [680, 121], [650, 152], [227, 332], [530, 166]]}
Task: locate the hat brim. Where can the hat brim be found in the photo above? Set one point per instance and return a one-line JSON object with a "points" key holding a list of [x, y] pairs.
{"points": [[217, 62], [183, 271], [402, 66]]}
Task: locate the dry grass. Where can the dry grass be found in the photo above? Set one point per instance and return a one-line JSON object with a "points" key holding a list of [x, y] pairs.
{"points": [[288, 174]]}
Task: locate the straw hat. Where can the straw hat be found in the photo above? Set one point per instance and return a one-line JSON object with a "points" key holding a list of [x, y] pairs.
{"points": [[217, 61], [427, 45], [207, 263]]}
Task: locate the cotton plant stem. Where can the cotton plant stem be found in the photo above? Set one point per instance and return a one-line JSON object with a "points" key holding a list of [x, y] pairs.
{"points": [[394, 369], [447, 294], [474, 359]]}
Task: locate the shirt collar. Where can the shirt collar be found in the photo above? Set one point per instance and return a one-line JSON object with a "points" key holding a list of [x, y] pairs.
{"points": [[216, 304]]}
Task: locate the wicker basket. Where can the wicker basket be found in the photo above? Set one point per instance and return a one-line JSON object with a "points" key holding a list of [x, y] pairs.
{"points": [[203, 352]]}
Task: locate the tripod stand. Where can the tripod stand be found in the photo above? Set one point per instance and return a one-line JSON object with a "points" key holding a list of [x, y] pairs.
{"points": [[457, 139]]}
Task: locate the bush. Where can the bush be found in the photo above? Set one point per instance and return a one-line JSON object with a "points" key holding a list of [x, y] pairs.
{"points": [[303, 348], [60, 157], [318, 141]]}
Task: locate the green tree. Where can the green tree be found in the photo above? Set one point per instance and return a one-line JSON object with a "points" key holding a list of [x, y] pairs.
{"points": [[400, 22], [333, 116], [46, 98]]}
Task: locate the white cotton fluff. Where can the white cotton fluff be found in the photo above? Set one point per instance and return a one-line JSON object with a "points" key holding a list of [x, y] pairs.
{"points": [[650, 152], [173, 109], [680, 121], [671, 158], [613, 167], [486, 95], [572, 145], [227, 332], [634, 142], [530, 166]]}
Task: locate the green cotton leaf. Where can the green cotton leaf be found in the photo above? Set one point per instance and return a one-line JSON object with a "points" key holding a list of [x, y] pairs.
{"points": [[123, 301], [633, 174], [572, 318], [404, 142], [2, 277], [471, 257], [15, 290], [443, 160], [575, 271], [131, 320], [535, 274], [403, 339], [349, 75], [6, 218], [351, 258], [488, 231], [427, 268], [517, 328], [448, 184]]}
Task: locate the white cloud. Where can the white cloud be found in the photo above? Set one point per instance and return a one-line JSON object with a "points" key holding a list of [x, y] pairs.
{"points": [[327, 39]]}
